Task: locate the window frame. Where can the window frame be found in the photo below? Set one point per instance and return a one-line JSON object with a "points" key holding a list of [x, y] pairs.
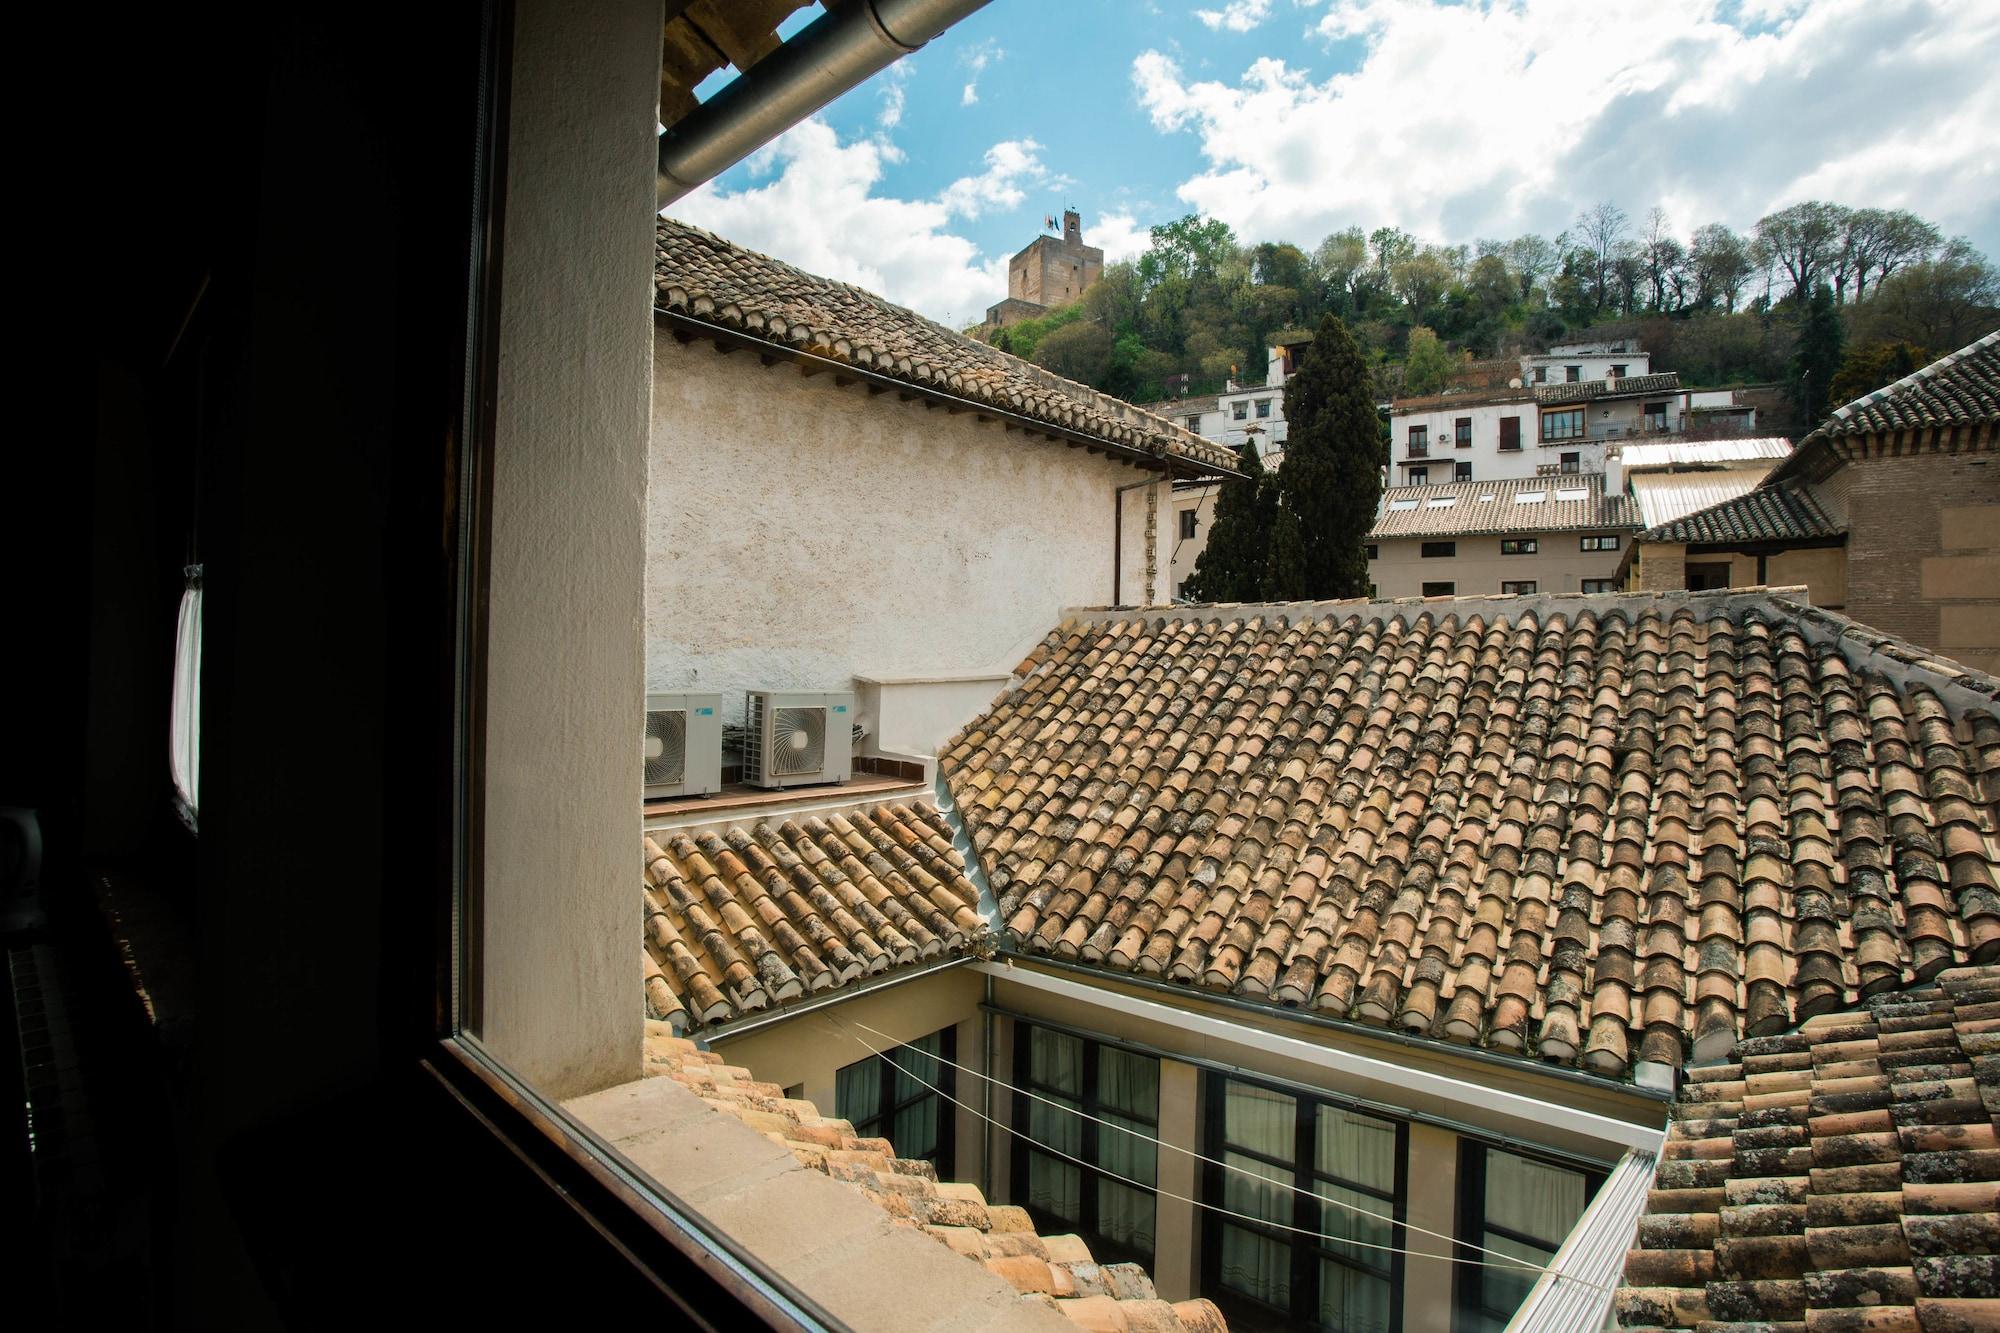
{"points": [[1609, 585], [1428, 551], [1306, 1251], [1417, 442], [1239, 410], [1462, 470], [1085, 1224], [1419, 476], [1446, 587], [1190, 524], [1263, 409], [1556, 425], [1518, 587], [944, 1153], [1472, 1204], [1598, 541], [1520, 546], [1461, 433], [1515, 423]]}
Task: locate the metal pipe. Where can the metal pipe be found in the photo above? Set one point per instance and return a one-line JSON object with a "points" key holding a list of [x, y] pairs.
{"points": [[832, 54]]}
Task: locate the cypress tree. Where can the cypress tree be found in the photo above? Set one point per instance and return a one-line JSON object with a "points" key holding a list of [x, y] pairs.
{"points": [[1231, 567], [1816, 359], [1331, 480]]}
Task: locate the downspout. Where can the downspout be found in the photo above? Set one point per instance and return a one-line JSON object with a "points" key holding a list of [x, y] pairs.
{"points": [[832, 54]]}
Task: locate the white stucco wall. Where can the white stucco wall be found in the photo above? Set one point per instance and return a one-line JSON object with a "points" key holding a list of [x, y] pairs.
{"points": [[559, 995], [803, 534], [1488, 462]]}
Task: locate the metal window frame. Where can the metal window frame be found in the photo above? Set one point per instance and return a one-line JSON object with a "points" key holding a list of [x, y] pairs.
{"points": [[1472, 1230], [943, 1153]]}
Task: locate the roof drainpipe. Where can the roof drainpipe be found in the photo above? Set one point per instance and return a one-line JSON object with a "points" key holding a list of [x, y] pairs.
{"points": [[832, 54]]}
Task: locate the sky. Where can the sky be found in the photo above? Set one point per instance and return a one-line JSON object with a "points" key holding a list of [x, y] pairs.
{"points": [[1291, 119]]}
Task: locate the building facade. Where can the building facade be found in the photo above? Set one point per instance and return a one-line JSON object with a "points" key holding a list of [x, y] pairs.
{"points": [[1523, 537], [1048, 273], [1573, 363]]}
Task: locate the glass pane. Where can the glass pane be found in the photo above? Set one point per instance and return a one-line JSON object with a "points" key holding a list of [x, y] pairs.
{"points": [[1352, 1302], [857, 1091], [1133, 1156], [1055, 1060], [1125, 1216], [1357, 1148], [915, 1132], [1259, 1119], [1053, 1186], [1056, 1126], [1501, 1290], [1128, 1082], [1256, 1189], [1346, 1223], [918, 1068], [1256, 1266], [1532, 1197]]}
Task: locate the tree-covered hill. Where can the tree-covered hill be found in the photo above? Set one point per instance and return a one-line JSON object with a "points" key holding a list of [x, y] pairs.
{"points": [[1718, 306]]}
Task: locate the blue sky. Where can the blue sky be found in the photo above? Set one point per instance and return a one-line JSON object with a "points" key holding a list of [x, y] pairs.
{"points": [[1292, 118]]}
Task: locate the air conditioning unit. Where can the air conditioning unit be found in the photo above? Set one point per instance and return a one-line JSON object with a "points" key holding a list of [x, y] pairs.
{"points": [[683, 744], [793, 738]]}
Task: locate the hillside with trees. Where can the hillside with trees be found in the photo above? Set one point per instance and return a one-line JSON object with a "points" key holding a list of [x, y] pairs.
{"points": [[1719, 306]]}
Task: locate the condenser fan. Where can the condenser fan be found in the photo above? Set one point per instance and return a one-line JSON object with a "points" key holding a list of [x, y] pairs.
{"points": [[666, 745], [798, 741]]}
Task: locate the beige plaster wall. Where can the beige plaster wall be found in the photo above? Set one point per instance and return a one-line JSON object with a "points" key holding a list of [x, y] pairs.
{"points": [[802, 534], [1431, 1202], [1559, 565], [1177, 1226], [559, 997], [1821, 570]]}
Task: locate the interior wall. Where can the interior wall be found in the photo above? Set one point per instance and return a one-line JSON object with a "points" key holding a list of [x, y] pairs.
{"points": [[560, 996]]}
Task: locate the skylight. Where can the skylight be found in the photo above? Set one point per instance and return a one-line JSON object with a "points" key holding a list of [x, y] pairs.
{"points": [[1486, 499], [1402, 504], [1445, 503], [1531, 497], [1573, 495]]}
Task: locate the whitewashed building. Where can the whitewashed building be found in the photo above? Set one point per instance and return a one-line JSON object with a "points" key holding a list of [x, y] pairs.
{"points": [[1575, 363]]}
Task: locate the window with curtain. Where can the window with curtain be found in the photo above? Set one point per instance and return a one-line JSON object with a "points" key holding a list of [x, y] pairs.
{"points": [[1520, 1208], [184, 739], [1106, 1193], [889, 1098], [1294, 1161]]}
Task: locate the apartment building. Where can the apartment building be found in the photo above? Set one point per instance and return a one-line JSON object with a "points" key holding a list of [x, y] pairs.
{"points": [[1520, 536]]}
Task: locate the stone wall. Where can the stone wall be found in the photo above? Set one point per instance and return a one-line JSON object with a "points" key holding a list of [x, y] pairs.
{"points": [[1923, 551]]}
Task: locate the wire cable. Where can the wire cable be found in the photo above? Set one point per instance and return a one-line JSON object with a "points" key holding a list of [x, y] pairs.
{"points": [[1506, 1262]]}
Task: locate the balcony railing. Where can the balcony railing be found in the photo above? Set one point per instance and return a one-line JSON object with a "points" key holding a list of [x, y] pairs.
{"points": [[1420, 450]]}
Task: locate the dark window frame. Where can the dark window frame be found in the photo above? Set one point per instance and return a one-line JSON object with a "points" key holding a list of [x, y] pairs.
{"points": [[1461, 433], [1190, 524], [1466, 1308], [1437, 550], [1445, 588], [1510, 428], [1419, 476], [1371, 551], [1520, 546], [1563, 424], [1608, 585], [1263, 409], [1462, 470], [944, 1153], [1306, 1250], [1597, 541], [1102, 1248], [1519, 587], [1240, 410]]}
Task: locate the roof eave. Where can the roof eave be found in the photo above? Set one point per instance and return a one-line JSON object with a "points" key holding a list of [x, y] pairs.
{"points": [[1160, 457]]}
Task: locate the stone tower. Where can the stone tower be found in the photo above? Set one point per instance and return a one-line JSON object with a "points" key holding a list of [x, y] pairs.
{"points": [[1048, 273]]}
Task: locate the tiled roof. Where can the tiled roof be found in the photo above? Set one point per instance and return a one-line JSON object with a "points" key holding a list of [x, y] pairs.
{"points": [[1464, 509], [1054, 1271], [1629, 386], [1769, 513], [1173, 409], [1843, 1176], [699, 274], [1958, 390], [739, 921], [1439, 402], [1584, 829]]}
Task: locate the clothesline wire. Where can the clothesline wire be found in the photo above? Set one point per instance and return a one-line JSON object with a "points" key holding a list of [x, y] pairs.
{"points": [[1506, 1261]]}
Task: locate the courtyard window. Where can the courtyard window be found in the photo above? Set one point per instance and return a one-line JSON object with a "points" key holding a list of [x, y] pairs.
{"points": [[1308, 1179], [904, 1096], [1068, 1074], [1519, 1208]]}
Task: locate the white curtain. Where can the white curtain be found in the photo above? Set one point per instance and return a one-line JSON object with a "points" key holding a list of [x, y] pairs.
{"points": [[857, 1091], [1531, 1197], [1257, 1266], [184, 743], [1352, 1302]]}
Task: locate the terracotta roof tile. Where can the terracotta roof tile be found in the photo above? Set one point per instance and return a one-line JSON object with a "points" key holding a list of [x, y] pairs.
{"points": [[1588, 830], [1957, 390], [738, 921], [1053, 1270], [1790, 512], [1867, 1238], [700, 274], [1521, 504], [1627, 386]]}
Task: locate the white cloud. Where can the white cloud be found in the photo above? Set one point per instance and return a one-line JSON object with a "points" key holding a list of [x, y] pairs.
{"points": [[1120, 235], [892, 95], [976, 58], [1493, 117], [813, 205], [1237, 15]]}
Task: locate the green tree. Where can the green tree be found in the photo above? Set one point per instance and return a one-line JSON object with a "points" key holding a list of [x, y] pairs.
{"points": [[1080, 351], [1816, 358], [1231, 567], [1428, 365], [1943, 302], [1330, 481], [1870, 366]]}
